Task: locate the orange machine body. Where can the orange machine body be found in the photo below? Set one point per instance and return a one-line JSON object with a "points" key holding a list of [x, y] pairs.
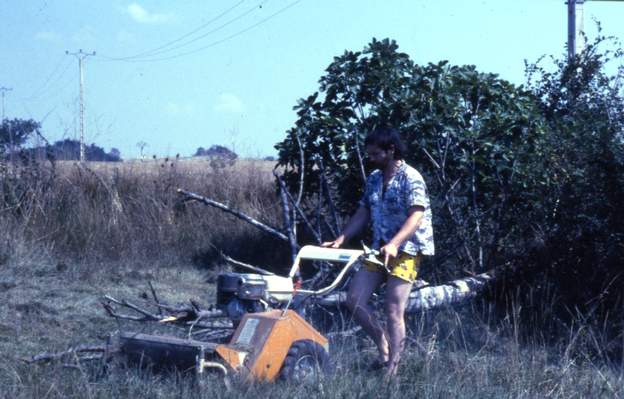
{"points": [[261, 342]]}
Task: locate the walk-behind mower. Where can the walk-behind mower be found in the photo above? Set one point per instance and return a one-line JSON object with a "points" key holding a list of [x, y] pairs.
{"points": [[265, 346], [270, 340]]}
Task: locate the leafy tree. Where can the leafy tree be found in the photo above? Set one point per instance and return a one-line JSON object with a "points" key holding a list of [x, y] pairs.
{"points": [[216, 151], [15, 132], [584, 234], [526, 176], [218, 155], [476, 138], [69, 150]]}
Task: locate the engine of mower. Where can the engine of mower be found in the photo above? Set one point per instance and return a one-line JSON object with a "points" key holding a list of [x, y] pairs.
{"points": [[240, 293]]}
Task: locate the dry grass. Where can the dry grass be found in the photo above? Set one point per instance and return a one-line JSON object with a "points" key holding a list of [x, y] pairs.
{"points": [[131, 210], [450, 353], [111, 228]]}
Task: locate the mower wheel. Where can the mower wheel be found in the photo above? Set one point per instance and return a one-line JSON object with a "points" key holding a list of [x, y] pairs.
{"points": [[305, 362]]}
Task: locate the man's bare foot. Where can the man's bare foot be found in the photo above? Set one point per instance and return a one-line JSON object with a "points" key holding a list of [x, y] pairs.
{"points": [[384, 351], [391, 371]]}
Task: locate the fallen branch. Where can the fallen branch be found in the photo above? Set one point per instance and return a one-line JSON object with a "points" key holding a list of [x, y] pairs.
{"points": [[451, 293], [47, 357], [246, 265], [427, 297], [181, 315], [147, 316], [207, 201], [155, 298]]}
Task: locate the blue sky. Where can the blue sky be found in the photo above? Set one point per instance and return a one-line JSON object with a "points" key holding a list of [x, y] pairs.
{"points": [[236, 67]]}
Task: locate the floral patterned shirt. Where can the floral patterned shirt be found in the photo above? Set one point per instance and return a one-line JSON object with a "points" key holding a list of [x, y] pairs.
{"points": [[388, 211]]}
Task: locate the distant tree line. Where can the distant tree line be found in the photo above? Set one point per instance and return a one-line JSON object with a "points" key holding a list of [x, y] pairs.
{"points": [[216, 151], [15, 133]]}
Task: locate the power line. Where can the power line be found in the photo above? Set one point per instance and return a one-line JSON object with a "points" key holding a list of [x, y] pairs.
{"points": [[186, 43], [49, 82], [156, 50], [81, 56], [238, 33]]}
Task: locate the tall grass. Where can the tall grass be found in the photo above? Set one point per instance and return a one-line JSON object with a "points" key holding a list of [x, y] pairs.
{"points": [[441, 361], [70, 234], [131, 210]]}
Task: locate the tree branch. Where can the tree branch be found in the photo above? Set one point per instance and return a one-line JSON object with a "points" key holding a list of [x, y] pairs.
{"points": [[207, 201], [298, 210], [327, 193], [288, 224], [301, 168], [246, 265], [47, 357]]}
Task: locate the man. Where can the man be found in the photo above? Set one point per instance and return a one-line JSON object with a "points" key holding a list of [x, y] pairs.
{"points": [[396, 204]]}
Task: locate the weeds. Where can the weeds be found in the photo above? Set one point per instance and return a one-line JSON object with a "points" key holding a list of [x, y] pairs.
{"points": [[110, 212], [437, 368], [72, 234]]}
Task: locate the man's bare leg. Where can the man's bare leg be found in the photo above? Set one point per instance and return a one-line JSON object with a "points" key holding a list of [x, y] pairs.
{"points": [[362, 286], [397, 294]]}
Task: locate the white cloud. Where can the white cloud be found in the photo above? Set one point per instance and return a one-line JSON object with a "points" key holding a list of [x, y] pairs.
{"points": [[48, 36], [229, 103], [141, 15], [175, 109]]}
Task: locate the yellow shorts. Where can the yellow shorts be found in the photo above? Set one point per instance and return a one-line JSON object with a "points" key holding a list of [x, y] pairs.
{"points": [[404, 266]]}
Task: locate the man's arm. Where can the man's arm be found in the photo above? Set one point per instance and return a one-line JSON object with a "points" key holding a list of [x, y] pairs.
{"points": [[391, 249], [356, 224]]}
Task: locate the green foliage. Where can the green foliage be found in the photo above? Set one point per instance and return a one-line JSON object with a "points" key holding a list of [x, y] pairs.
{"points": [[15, 132], [69, 150], [584, 235], [525, 176], [475, 137]]}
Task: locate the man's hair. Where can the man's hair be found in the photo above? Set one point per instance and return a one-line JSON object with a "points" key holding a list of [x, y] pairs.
{"points": [[385, 138]]}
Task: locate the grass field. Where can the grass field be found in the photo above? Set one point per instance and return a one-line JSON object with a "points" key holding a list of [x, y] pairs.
{"points": [[65, 246], [450, 353]]}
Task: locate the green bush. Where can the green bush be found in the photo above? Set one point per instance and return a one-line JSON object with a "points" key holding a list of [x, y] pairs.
{"points": [[527, 177]]}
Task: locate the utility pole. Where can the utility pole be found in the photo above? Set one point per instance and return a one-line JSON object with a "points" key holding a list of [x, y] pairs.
{"points": [[81, 56], [576, 39], [576, 32], [4, 90]]}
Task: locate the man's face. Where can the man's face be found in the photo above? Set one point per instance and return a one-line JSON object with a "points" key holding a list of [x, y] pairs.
{"points": [[378, 157]]}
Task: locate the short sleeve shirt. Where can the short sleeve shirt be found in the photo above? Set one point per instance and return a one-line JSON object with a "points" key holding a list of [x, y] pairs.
{"points": [[389, 210]]}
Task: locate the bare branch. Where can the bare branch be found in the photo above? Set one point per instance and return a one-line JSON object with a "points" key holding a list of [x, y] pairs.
{"points": [[246, 265], [427, 297], [288, 224], [46, 357], [147, 316], [454, 292], [301, 168], [267, 229], [299, 210], [433, 161], [327, 193], [359, 156], [155, 298]]}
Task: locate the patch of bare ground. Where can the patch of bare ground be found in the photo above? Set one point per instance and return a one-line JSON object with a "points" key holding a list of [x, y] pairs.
{"points": [[46, 306]]}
